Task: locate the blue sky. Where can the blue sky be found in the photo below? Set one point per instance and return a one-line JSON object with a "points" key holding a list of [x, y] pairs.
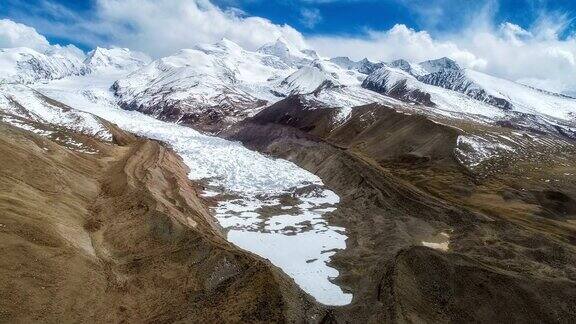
{"points": [[319, 17], [354, 16]]}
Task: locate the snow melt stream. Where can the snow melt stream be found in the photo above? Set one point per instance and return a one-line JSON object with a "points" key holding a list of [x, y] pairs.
{"points": [[295, 238]]}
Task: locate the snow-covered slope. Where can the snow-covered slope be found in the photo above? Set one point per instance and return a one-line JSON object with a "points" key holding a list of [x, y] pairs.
{"points": [[22, 102], [491, 96], [115, 58], [222, 80], [523, 98], [497, 92], [459, 81], [363, 66], [447, 74], [477, 99], [25, 65], [226, 82], [307, 79], [398, 84], [288, 53]]}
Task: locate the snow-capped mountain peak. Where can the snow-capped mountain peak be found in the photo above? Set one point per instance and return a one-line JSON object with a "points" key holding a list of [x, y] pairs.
{"points": [[439, 65], [307, 79], [278, 48], [311, 54], [401, 64], [344, 62], [363, 66], [116, 58], [288, 53], [227, 43], [223, 46], [399, 84], [26, 65]]}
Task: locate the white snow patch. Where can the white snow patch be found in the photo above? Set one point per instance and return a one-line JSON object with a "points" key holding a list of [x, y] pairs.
{"points": [[473, 150], [43, 111], [209, 193], [437, 246], [441, 243], [17, 123]]}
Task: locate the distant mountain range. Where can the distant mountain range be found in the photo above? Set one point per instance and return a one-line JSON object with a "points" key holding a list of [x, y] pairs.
{"points": [[211, 86]]}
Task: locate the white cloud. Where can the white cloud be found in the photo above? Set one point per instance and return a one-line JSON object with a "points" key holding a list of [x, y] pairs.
{"points": [[310, 17], [13, 34], [161, 27], [514, 33]]}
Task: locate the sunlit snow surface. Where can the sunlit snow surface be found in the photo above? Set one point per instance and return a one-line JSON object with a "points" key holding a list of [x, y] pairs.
{"points": [[298, 241], [36, 108]]}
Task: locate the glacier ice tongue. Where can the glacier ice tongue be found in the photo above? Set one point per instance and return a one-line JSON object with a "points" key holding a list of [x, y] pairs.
{"points": [[257, 180]]}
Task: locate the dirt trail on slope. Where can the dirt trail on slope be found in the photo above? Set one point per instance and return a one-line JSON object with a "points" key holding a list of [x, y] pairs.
{"points": [[400, 185], [122, 236]]}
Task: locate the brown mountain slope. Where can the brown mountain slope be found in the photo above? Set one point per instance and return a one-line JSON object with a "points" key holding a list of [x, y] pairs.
{"points": [[121, 236], [401, 185]]}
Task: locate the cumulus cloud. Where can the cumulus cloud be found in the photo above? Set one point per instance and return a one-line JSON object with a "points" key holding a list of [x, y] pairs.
{"points": [[13, 34], [538, 57], [160, 27], [163, 26]]}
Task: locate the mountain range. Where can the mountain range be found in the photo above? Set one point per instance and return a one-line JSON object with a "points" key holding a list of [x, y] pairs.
{"points": [[227, 82]]}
